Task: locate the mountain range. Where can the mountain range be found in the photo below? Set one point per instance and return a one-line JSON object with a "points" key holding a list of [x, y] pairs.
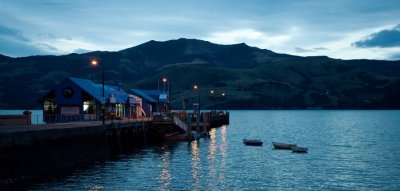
{"points": [[250, 77]]}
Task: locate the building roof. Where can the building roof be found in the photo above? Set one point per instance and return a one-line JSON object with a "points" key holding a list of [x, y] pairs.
{"points": [[144, 95], [156, 95], [95, 90], [163, 97]]}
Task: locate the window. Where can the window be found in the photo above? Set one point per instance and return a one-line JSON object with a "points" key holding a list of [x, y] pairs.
{"points": [[120, 110], [49, 107], [89, 107]]}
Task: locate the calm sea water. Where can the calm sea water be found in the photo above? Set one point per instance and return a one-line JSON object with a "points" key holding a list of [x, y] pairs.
{"points": [[348, 150]]}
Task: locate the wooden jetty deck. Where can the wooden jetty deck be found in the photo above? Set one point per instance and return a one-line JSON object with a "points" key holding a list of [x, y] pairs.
{"points": [[27, 151], [70, 125], [182, 123]]}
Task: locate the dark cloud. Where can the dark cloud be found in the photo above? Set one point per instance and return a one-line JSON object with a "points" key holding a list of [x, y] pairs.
{"points": [[303, 50], [395, 56], [320, 48], [10, 32], [80, 51], [47, 47], [15, 48], [382, 39]]}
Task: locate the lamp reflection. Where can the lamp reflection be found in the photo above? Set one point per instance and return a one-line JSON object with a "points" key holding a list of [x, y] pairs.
{"points": [[165, 175], [223, 150], [96, 188], [213, 145], [195, 163], [212, 166]]}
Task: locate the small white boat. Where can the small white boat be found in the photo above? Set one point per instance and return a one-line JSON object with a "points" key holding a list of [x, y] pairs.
{"points": [[297, 149], [283, 146], [253, 142]]}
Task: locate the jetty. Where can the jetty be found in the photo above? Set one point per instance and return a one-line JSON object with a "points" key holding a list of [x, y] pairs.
{"points": [[30, 150], [84, 121]]}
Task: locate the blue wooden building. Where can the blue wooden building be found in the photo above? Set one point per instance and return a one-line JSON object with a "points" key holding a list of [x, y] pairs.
{"points": [[154, 101], [77, 99]]}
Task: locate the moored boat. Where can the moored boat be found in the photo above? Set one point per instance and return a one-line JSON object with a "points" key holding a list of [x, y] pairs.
{"points": [[297, 149], [253, 142], [283, 146], [176, 136]]}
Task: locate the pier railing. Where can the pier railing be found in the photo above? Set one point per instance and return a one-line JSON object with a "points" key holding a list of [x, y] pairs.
{"points": [[56, 118], [177, 121]]}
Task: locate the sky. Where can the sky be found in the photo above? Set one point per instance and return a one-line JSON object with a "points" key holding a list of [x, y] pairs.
{"points": [[343, 29]]}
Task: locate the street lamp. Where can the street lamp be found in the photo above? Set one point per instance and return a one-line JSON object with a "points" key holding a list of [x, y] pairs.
{"points": [[197, 88], [224, 97], [95, 63], [212, 92], [164, 81], [166, 103]]}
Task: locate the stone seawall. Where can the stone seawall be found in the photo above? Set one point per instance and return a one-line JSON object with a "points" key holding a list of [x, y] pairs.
{"points": [[29, 154], [15, 120], [26, 155]]}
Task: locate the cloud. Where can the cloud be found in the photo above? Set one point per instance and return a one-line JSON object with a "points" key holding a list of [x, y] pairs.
{"points": [[13, 33], [249, 36], [382, 39], [81, 50], [321, 48], [14, 48], [65, 45], [44, 46], [304, 50], [395, 56]]}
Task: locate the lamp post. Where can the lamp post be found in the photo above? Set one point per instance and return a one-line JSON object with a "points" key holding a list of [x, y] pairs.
{"points": [[164, 82], [212, 92], [166, 103], [224, 97], [197, 88], [95, 63]]}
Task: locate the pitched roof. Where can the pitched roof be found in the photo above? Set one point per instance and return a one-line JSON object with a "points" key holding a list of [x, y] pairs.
{"points": [[144, 95], [95, 90], [163, 97]]}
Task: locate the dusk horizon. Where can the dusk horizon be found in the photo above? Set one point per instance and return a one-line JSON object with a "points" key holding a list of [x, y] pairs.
{"points": [[341, 29], [85, 52], [199, 95]]}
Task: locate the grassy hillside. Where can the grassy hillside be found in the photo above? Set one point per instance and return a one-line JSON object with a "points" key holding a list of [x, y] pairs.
{"points": [[252, 78]]}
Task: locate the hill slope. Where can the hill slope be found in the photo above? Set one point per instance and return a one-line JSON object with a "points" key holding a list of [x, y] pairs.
{"points": [[252, 78]]}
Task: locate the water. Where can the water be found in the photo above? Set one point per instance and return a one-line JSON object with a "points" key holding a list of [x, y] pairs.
{"points": [[37, 115], [348, 150]]}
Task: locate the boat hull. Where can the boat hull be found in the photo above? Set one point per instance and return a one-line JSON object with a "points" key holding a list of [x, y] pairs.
{"points": [[252, 142], [283, 146], [299, 149]]}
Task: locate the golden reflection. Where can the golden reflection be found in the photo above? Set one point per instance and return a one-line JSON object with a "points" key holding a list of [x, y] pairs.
{"points": [[165, 176], [212, 166], [195, 163], [223, 133], [223, 151], [213, 145], [96, 188]]}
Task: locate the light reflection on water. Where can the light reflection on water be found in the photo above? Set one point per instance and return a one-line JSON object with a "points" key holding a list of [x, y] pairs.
{"points": [[195, 164], [165, 175], [212, 166], [348, 150]]}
